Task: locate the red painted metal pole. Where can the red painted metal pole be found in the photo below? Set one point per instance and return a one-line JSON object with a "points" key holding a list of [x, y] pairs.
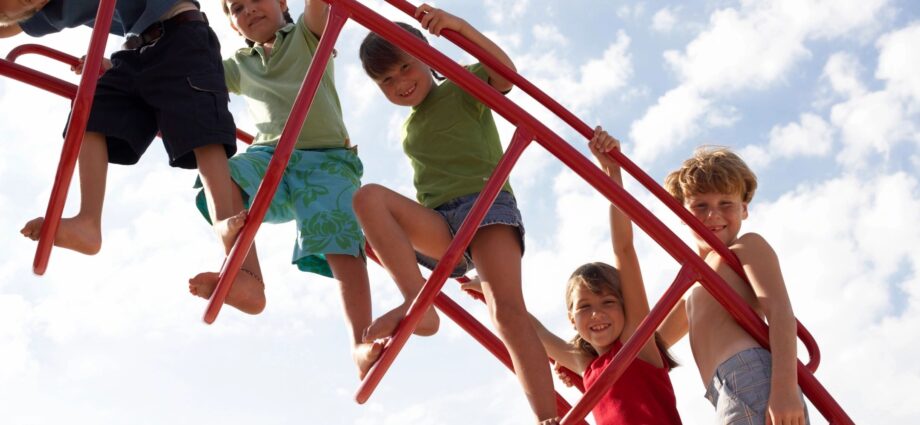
{"points": [[38, 49], [37, 79], [522, 83], [336, 19], [451, 257], [74, 138], [476, 330]]}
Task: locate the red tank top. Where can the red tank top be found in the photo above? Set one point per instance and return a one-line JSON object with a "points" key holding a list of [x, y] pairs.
{"points": [[642, 396]]}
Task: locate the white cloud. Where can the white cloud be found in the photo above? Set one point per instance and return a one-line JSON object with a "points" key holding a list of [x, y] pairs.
{"points": [[664, 20], [718, 62], [548, 34], [811, 136], [503, 11], [898, 62], [667, 123], [627, 11], [843, 71]]}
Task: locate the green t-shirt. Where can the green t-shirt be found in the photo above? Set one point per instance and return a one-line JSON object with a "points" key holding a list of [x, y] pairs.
{"points": [[271, 87], [452, 143]]}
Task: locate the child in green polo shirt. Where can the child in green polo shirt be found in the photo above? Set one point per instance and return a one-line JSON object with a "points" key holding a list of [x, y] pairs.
{"points": [[453, 145], [324, 170]]}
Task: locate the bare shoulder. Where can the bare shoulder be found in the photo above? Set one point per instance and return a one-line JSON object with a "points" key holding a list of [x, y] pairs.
{"points": [[750, 246]]}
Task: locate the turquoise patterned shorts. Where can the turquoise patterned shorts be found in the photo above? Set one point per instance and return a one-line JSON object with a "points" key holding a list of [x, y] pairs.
{"points": [[315, 192]]}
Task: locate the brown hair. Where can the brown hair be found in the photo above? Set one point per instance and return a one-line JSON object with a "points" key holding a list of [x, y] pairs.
{"points": [[379, 55], [712, 169], [602, 278], [250, 43]]}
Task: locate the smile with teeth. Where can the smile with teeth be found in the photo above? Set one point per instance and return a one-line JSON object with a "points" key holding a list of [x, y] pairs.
{"points": [[408, 92], [598, 328]]}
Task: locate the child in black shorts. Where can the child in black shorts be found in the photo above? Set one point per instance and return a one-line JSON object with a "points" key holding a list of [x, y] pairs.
{"points": [[168, 78]]}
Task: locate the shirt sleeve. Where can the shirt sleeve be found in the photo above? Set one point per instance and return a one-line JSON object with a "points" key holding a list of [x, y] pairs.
{"points": [[479, 70], [58, 15], [232, 75], [38, 25], [311, 39]]}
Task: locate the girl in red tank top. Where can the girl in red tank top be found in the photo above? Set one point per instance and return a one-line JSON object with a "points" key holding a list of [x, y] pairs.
{"points": [[606, 304]]}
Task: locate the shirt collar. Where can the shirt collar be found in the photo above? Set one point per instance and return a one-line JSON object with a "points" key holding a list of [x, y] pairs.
{"points": [[279, 37]]}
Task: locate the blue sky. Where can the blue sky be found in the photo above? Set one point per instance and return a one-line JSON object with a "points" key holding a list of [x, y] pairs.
{"points": [[821, 97]]}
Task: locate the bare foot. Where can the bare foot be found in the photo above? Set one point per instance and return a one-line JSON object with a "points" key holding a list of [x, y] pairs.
{"points": [[366, 354], [385, 325], [76, 233], [247, 293], [230, 227]]}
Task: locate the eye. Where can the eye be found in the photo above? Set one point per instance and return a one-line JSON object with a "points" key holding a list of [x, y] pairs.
{"points": [[404, 67]]}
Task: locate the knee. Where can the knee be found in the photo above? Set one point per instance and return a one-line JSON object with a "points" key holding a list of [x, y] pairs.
{"points": [[509, 318], [367, 198]]}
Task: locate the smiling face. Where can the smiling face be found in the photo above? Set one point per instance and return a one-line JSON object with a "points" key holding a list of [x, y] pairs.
{"points": [[257, 20], [407, 82], [12, 11], [721, 213], [598, 318]]}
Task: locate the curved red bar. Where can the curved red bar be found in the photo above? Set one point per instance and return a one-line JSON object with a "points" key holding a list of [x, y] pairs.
{"points": [[40, 50]]}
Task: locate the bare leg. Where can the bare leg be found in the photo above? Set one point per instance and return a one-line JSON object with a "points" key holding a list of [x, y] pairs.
{"points": [[83, 232], [225, 205], [497, 254], [351, 272], [396, 226]]}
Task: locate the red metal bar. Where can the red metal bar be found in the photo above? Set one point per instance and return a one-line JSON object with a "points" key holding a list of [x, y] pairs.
{"points": [[74, 138], [40, 50], [581, 127], [432, 287], [476, 329], [37, 79], [336, 19]]}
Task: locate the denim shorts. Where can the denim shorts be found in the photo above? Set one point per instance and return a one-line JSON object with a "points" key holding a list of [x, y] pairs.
{"points": [[740, 388], [503, 211]]}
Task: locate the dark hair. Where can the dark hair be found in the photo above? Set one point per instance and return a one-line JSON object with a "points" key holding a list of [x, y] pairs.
{"points": [[379, 55], [250, 43], [602, 278]]}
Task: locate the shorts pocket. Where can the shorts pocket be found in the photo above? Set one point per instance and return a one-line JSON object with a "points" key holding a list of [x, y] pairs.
{"points": [[211, 101]]}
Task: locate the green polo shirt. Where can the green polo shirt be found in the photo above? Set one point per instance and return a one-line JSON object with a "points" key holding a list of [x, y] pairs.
{"points": [[270, 85], [452, 143]]}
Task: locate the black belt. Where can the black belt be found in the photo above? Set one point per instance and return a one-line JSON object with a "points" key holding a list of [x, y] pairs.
{"points": [[155, 31]]}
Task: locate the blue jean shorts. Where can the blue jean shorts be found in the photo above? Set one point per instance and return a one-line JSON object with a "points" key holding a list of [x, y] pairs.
{"points": [[503, 211], [740, 388]]}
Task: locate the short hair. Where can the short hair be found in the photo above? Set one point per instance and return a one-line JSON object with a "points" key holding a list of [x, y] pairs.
{"points": [[378, 55], [712, 169]]}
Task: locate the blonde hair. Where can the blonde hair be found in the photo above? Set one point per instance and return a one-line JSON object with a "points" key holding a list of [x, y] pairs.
{"points": [[712, 169], [602, 278]]}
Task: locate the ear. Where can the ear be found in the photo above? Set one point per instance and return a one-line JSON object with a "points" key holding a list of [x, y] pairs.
{"points": [[571, 318], [283, 4], [744, 210]]}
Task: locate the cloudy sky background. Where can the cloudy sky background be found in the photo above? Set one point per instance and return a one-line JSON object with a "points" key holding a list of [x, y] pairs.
{"points": [[821, 97]]}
